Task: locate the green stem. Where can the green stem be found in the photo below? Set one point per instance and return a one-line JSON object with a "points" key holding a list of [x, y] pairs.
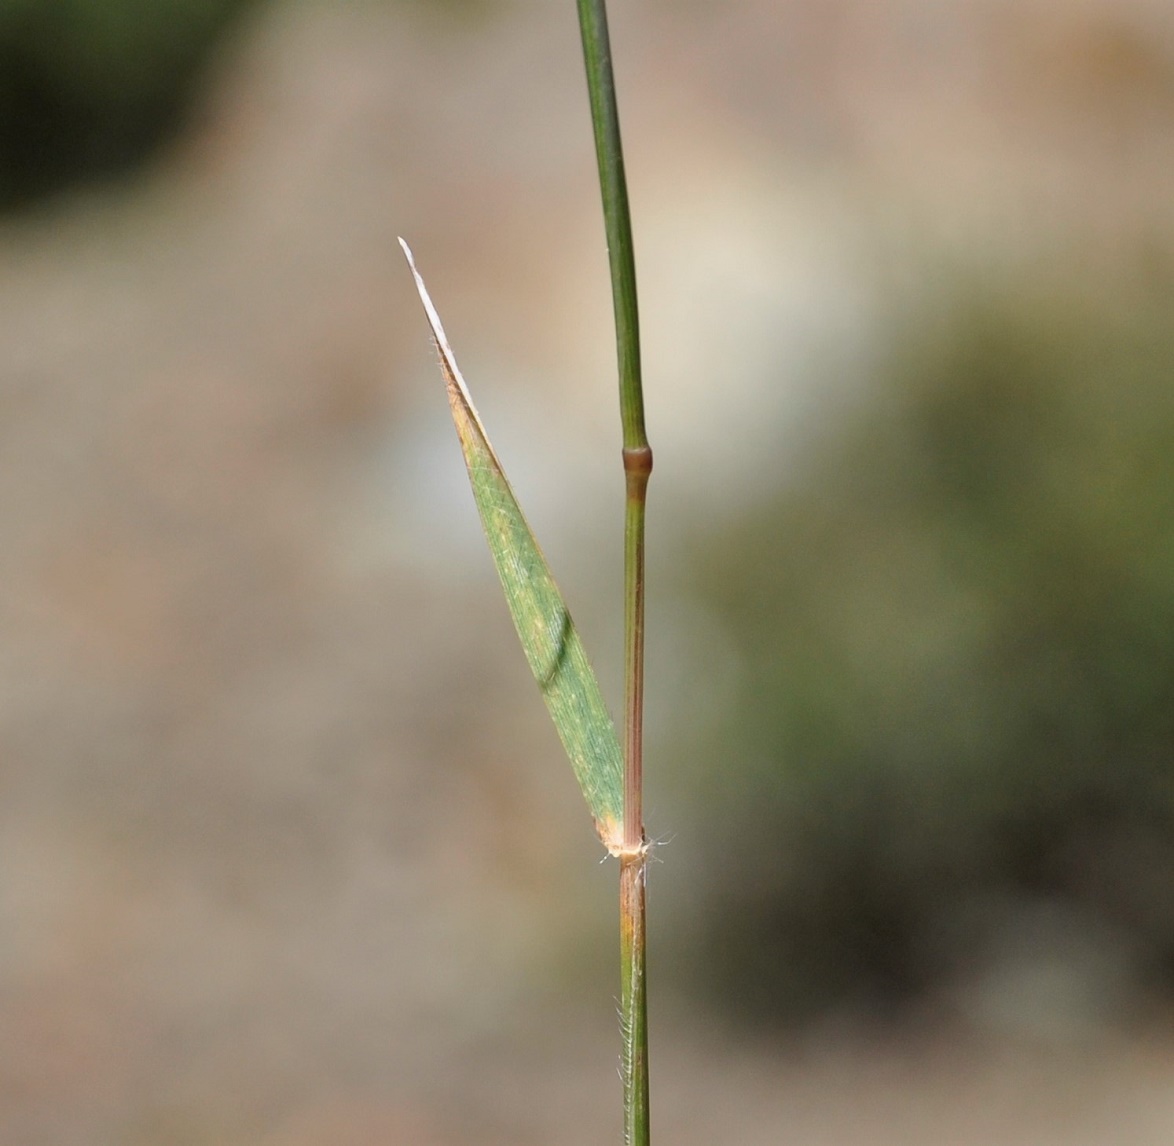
{"points": [[618, 221], [633, 1005], [637, 456]]}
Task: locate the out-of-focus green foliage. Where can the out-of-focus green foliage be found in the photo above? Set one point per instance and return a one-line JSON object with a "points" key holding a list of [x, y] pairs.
{"points": [[956, 649], [89, 87]]}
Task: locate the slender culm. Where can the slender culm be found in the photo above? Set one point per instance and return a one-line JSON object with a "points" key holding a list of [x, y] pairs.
{"points": [[637, 458]]}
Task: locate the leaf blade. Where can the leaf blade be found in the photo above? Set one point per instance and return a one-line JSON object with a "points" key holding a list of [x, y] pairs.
{"points": [[549, 638]]}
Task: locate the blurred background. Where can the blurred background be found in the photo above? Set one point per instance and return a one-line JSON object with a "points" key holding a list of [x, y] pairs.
{"points": [[289, 854]]}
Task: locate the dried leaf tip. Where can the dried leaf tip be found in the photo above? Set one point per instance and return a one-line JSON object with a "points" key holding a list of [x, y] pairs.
{"points": [[447, 358]]}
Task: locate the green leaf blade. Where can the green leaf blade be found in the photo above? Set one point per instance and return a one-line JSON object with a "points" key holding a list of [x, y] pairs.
{"points": [[549, 638]]}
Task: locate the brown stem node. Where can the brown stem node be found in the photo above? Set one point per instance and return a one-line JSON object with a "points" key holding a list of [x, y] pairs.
{"points": [[638, 461]]}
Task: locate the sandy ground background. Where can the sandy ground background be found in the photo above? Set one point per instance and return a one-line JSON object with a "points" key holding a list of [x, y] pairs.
{"points": [[288, 854]]}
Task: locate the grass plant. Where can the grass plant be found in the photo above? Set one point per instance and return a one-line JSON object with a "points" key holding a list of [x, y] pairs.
{"points": [[611, 779]]}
